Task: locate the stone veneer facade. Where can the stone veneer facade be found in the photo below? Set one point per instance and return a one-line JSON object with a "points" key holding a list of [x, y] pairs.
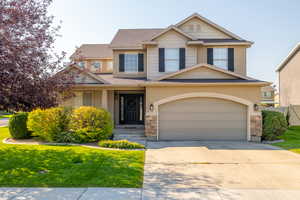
{"points": [[255, 127]]}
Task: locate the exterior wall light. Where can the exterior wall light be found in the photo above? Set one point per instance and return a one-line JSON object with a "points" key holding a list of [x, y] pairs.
{"points": [[151, 107], [256, 107]]}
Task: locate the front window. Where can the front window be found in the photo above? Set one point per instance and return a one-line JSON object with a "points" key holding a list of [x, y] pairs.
{"points": [[81, 64], [131, 62], [96, 64], [221, 57], [172, 59]]}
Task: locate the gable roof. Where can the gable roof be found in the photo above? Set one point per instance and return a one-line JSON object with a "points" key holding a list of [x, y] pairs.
{"points": [[133, 38], [223, 30], [93, 51], [289, 57], [87, 73], [202, 65], [172, 27]]}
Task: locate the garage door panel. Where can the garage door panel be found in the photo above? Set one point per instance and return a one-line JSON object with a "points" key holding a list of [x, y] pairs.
{"points": [[203, 124], [194, 116], [202, 119]]}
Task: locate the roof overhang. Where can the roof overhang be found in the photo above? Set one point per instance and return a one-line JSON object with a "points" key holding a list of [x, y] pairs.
{"points": [[204, 65], [289, 57], [174, 84], [91, 75], [218, 43]]}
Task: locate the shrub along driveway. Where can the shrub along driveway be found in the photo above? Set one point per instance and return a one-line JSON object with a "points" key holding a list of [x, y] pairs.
{"points": [[66, 166], [229, 170]]}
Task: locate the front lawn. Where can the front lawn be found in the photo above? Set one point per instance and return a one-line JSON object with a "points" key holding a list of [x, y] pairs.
{"points": [[291, 139], [68, 166]]}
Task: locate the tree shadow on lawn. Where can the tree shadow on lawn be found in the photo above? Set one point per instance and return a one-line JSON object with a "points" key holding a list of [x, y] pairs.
{"points": [[69, 167]]}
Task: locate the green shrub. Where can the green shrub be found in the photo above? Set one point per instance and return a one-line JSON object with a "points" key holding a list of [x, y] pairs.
{"points": [[49, 123], [71, 137], [274, 125], [17, 126], [91, 124], [120, 144]]}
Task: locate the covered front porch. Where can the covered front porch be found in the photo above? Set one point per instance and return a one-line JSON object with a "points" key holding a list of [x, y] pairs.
{"points": [[126, 105]]}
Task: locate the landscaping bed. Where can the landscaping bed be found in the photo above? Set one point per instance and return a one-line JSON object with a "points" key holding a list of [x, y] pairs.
{"points": [[68, 166]]}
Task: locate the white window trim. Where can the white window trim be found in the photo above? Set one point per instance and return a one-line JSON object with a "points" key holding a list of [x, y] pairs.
{"points": [[137, 67], [166, 70], [214, 59]]}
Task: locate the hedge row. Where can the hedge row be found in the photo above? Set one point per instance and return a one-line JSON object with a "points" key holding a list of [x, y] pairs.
{"points": [[82, 125]]}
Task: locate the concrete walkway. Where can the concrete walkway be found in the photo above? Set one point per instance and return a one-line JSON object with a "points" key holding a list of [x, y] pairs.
{"points": [[220, 170], [145, 194]]}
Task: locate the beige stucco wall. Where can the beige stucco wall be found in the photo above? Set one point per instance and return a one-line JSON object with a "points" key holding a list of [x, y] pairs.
{"points": [[128, 74], [199, 29], [251, 93], [289, 82], [171, 39], [239, 57]]}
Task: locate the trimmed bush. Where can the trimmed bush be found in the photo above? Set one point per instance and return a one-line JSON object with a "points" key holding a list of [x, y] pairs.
{"points": [[120, 144], [48, 124], [92, 124], [17, 126], [274, 125]]}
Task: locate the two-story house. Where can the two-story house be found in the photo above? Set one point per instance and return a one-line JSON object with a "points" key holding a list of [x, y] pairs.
{"points": [[289, 84], [184, 82]]}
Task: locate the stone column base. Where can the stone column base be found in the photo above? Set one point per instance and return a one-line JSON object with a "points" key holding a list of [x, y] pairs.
{"points": [[151, 127], [256, 127]]}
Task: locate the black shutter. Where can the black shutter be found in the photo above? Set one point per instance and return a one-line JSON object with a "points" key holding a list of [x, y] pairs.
{"points": [[181, 58], [231, 59], [161, 56], [141, 62], [121, 63], [210, 56]]}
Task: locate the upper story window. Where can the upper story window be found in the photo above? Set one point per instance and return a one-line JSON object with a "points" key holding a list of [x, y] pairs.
{"points": [[96, 64], [171, 59], [81, 64], [131, 62], [220, 57]]}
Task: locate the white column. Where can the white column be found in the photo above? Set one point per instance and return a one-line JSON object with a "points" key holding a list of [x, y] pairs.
{"points": [[104, 99]]}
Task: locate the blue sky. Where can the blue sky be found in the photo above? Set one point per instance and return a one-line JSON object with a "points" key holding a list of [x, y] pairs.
{"points": [[274, 26]]}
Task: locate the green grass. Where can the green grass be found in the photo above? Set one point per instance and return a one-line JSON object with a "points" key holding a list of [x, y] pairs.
{"points": [[5, 116], [291, 139], [68, 166]]}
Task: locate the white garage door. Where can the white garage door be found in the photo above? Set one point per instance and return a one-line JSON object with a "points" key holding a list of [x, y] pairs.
{"points": [[202, 119]]}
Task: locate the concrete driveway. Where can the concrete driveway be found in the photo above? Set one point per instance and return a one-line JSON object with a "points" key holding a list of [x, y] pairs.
{"points": [[220, 170]]}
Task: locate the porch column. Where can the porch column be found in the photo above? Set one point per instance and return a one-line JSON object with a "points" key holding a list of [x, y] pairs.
{"points": [[104, 99]]}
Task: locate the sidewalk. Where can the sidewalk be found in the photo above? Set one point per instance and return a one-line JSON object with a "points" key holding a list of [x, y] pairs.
{"points": [[144, 194]]}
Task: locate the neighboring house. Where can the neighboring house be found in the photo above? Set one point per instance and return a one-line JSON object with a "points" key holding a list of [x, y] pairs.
{"points": [[184, 82], [268, 96], [289, 84]]}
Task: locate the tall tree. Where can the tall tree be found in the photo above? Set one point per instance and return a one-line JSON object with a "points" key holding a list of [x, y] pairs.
{"points": [[28, 64]]}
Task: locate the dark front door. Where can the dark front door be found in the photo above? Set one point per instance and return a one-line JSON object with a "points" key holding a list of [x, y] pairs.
{"points": [[131, 108]]}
